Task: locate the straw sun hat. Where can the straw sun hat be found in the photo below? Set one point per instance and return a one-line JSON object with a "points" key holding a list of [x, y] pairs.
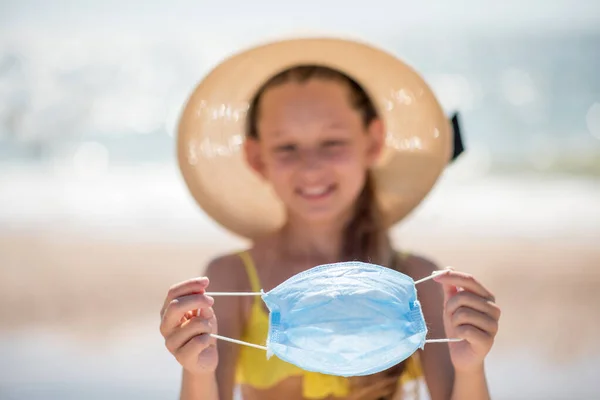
{"points": [[420, 139]]}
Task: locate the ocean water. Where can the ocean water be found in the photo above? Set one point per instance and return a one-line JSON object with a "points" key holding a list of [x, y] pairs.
{"points": [[153, 202], [529, 100]]}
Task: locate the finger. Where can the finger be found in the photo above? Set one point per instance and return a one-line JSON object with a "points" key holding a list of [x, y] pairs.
{"points": [[189, 315], [178, 307], [465, 281], [471, 300], [193, 327], [191, 286], [472, 334], [469, 316], [449, 292], [193, 348], [207, 313]]}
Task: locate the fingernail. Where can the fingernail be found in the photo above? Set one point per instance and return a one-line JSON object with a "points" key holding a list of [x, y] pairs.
{"points": [[440, 273], [437, 274]]}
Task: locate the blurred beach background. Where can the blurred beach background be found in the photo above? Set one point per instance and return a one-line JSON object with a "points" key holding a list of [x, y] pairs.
{"points": [[96, 223]]}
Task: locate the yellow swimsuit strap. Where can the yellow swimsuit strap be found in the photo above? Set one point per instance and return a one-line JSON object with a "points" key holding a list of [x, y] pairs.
{"points": [[251, 271]]}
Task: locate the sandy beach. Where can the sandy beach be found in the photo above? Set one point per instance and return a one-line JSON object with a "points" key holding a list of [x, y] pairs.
{"points": [[546, 287], [83, 274]]}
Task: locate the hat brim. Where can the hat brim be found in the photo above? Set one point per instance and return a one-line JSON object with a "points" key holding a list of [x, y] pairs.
{"points": [[211, 131]]}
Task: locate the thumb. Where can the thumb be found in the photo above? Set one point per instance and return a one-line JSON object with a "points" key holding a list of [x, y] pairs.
{"points": [[448, 289]]}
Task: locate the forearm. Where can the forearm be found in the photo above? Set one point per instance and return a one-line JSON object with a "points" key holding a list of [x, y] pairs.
{"points": [[470, 385], [199, 387]]}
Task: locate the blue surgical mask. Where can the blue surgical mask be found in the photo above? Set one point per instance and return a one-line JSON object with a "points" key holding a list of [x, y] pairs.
{"points": [[344, 319]]}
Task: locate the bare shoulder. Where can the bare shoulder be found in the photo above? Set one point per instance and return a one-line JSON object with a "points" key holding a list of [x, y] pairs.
{"points": [[418, 267], [227, 273]]}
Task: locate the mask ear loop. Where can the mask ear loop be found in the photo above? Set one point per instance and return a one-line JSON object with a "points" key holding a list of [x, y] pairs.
{"points": [[226, 339], [212, 294], [231, 340], [256, 346], [433, 275]]}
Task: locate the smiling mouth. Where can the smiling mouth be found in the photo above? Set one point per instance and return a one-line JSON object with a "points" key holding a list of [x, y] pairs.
{"points": [[316, 192]]}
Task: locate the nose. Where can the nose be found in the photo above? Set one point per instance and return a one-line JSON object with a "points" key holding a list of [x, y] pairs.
{"points": [[311, 162]]}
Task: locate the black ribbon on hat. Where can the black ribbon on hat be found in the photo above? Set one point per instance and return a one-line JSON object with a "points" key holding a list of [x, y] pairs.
{"points": [[459, 147]]}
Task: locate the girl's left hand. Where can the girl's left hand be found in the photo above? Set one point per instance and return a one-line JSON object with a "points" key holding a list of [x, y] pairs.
{"points": [[471, 314]]}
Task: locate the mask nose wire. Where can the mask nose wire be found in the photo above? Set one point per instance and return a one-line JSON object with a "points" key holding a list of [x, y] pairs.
{"points": [[256, 346]]}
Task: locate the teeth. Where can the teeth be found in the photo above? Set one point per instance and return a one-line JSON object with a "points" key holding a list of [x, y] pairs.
{"points": [[315, 191]]}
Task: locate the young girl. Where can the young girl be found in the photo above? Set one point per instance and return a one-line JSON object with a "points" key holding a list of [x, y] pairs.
{"points": [[341, 141]]}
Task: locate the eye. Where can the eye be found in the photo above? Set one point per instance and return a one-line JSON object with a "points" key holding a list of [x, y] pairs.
{"points": [[286, 148], [334, 143]]}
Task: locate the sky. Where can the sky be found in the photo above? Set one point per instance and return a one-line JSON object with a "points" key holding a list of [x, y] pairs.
{"points": [[236, 15]]}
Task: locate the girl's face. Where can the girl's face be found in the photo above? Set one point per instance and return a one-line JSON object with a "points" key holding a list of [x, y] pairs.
{"points": [[314, 147]]}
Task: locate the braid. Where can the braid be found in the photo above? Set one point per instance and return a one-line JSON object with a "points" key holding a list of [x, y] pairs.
{"points": [[366, 238]]}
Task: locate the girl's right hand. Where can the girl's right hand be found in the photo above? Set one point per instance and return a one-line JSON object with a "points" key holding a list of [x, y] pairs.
{"points": [[186, 321]]}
